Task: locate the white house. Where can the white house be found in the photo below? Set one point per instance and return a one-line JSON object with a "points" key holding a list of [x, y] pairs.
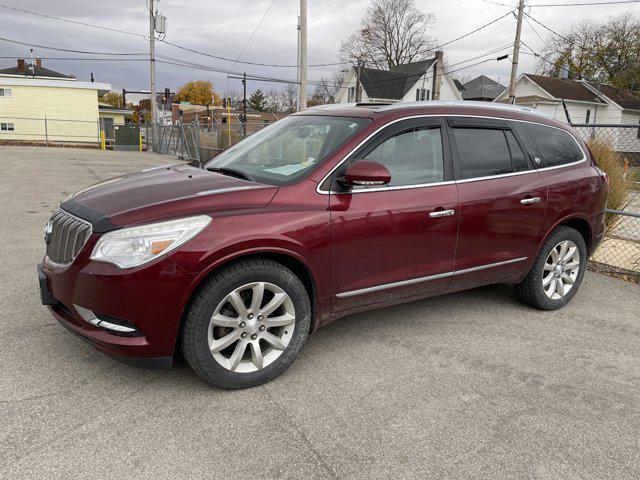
{"points": [[402, 83], [575, 101], [580, 102]]}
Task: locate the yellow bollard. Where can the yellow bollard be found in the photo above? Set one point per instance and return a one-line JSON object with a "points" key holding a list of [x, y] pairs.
{"points": [[140, 139], [103, 141]]}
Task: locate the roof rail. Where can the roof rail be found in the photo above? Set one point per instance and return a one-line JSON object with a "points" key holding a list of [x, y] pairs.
{"points": [[463, 104]]}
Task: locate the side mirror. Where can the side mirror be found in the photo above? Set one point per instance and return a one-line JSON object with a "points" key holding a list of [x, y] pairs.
{"points": [[365, 173]]}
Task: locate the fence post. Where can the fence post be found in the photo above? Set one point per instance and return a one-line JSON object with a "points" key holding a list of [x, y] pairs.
{"points": [[196, 140], [46, 131]]}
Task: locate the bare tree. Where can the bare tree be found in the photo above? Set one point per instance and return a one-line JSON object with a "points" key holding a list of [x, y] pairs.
{"points": [[392, 32], [282, 101], [289, 99], [607, 51], [327, 89]]}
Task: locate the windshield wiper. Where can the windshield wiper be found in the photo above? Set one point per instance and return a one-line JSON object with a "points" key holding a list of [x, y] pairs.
{"points": [[231, 172]]}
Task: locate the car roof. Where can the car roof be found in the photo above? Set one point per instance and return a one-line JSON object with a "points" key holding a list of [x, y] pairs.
{"points": [[437, 107]]}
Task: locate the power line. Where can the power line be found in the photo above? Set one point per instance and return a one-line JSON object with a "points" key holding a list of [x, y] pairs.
{"points": [[581, 4], [52, 17], [44, 15], [254, 32], [473, 31], [84, 52], [536, 32], [403, 80], [580, 75], [257, 64], [86, 59]]}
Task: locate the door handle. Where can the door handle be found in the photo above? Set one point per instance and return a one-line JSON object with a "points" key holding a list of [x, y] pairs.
{"points": [[530, 201], [442, 213]]}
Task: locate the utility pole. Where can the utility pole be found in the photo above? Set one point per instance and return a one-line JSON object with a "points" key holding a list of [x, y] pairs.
{"points": [[302, 102], [298, 53], [152, 89], [516, 55], [358, 81], [244, 104]]}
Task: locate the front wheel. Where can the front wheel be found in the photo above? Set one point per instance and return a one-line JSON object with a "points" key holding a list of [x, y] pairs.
{"points": [[557, 273], [247, 324]]}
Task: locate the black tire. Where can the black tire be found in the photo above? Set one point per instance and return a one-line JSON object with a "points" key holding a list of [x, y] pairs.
{"points": [[530, 290], [194, 335]]}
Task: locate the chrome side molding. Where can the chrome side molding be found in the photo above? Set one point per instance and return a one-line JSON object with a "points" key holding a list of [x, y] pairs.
{"points": [[412, 281]]}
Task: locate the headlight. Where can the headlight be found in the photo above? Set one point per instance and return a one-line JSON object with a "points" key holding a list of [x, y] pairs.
{"points": [[131, 247]]}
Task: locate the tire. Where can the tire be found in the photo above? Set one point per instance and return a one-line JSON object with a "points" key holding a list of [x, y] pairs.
{"points": [[217, 329], [540, 288]]}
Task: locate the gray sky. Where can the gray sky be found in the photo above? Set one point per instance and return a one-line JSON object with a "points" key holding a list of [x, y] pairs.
{"points": [[222, 28]]}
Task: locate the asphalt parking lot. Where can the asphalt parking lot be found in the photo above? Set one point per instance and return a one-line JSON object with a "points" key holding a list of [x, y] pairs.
{"points": [[471, 385]]}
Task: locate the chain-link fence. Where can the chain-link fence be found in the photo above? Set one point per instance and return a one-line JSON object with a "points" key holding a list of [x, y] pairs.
{"points": [[617, 151], [197, 142], [50, 130]]}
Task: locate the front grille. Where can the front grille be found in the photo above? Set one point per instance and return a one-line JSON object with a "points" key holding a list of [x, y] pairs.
{"points": [[68, 236]]}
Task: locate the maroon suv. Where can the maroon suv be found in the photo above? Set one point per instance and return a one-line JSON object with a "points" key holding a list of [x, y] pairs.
{"points": [[328, 212]]}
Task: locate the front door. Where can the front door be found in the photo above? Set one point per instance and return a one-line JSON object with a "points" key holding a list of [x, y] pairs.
{"points": [[395, 242], [502, 202]]}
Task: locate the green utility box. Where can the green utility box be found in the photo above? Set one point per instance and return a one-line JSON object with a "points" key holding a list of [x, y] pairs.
{"points": [[127, 137]]}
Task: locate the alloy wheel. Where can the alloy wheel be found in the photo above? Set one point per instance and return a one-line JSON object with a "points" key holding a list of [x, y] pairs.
{"points": [[561, 270], [251, 327]]}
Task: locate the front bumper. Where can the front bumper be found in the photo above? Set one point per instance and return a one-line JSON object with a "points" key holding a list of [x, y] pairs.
{"points": [[149, 298]]}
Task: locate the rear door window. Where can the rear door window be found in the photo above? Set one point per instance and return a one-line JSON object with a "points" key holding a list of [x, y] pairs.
{"points": [[555, 146], [518, 159], [483, 152]]}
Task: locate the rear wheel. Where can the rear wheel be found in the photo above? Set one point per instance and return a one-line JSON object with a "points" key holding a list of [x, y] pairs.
{"points": [[557, 273], [246, 324]]}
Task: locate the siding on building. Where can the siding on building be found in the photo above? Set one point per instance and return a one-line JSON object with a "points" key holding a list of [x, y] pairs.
{"points": [[71, 113]]}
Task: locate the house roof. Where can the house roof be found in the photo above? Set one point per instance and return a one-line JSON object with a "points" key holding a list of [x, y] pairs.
{"points": [[396, 82], [38, 71], [459, 85], [482, 87], [622, 97], [529, 99], [564, 88]]}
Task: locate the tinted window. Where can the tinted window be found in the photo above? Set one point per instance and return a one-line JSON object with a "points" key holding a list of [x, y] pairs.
{"points": [[518, 159], [555, 146], [483, 152], [412, 157]]}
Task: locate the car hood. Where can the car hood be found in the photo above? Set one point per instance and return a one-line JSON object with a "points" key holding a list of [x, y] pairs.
{"points": [[164, 192]]}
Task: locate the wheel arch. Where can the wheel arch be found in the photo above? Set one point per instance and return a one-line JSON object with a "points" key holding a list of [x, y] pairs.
{"points": [[577, 222], [287, 258]]}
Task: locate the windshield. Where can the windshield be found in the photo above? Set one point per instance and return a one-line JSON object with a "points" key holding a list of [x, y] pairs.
{"points": [[288, 149]]}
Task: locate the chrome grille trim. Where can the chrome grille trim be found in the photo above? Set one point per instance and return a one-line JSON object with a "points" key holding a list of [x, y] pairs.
{"points": [[68, 235]]}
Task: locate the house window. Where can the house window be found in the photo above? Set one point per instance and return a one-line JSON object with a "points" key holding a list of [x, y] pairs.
{"points": [[588, 117], [422, 94], [5, 92], [6, 127], [352, 94]]}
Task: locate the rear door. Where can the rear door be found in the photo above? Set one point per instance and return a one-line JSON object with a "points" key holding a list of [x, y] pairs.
{"points": [[502, 202], [395, 241]]}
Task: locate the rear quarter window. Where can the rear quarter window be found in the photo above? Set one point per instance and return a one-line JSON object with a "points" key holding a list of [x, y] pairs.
{"points": [[555, 146]]}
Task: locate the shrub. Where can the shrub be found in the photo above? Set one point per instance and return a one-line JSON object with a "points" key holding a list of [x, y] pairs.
{"points": [[620, 185]]}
